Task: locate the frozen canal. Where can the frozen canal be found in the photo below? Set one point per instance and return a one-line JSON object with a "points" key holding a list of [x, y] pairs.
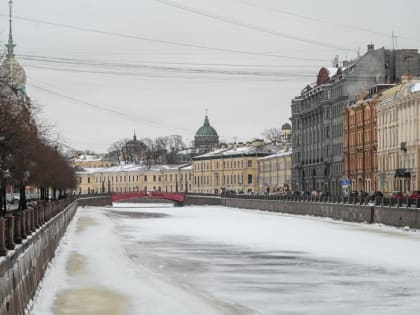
{"points": [[155, 259]]}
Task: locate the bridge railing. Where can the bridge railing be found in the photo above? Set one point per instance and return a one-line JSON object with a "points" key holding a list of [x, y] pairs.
{"points": [[174, 196]]}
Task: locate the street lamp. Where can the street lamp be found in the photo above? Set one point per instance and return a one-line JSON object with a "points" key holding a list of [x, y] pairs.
{"points": [[6, 176]]}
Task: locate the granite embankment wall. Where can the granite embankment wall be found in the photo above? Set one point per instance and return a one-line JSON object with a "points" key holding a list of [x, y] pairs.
{"points": [[203, 200], [394, 216], [28, 241]]}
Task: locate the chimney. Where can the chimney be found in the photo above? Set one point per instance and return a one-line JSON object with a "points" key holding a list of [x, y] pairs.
{"points": [[370, 48]]}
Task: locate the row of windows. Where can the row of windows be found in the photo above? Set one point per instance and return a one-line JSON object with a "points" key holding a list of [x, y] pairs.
{"points": [[274, 166], [226, 180], [234, 164], [129, 179]]}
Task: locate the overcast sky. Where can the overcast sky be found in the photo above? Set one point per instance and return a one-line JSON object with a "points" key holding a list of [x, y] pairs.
{"points": [[102, 69]]}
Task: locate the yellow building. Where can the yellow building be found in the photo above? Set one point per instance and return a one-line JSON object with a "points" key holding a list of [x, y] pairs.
{"points": [[132, 178], [228, 169], [275, 172], [398, 117]]}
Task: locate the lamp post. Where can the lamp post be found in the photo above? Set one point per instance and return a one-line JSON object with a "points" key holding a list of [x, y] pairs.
{"points": [[6, 176]]}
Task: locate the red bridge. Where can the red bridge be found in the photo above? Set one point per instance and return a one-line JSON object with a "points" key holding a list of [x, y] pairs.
{"points": [[178, 197]]}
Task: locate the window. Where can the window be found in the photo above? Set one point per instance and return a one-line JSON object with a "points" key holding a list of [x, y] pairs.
{"points": [[145, 178], [249, 178], [88, 180], [249, 163]]}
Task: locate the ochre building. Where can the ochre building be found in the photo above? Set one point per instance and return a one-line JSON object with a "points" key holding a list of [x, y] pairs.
{"points": [[398, 116], [233, 169]]}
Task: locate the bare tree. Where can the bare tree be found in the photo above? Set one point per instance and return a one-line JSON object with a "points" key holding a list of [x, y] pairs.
{"points": [[25, 156], [272, 135], [117, 151]]}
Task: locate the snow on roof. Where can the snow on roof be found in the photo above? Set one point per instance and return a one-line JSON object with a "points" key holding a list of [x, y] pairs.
{"points": [[234, 151], [278, 154], [187, 167], [241, 150], [332, 71], [130, 168], [415, 88], [87, 158]]}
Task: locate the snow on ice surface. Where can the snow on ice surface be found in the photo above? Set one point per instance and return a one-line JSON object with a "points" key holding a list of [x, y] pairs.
{"points": [[214, 260]]}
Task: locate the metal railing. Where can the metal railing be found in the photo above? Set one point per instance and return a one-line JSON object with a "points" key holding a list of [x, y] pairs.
{"points": [[387, 202], [17, 225]]}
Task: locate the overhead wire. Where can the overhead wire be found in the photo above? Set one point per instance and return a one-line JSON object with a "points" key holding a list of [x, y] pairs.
{"points": [[160, 68], [160, 41], [146, 71], [128, 116], [318, 20], [250, 26], [36, 57]]}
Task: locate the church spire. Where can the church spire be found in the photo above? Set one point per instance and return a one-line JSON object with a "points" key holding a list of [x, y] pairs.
{"points": [[206, 119], [10, 45]]}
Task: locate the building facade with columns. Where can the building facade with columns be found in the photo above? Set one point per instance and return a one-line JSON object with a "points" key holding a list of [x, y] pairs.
{"points": [[233, 169], [398, 116], [134, 178], [275, 172]]}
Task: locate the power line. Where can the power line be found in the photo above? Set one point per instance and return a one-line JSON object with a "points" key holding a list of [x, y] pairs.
{"points": [[41, 57], [174, 72], [249, 26], [113, 111], [159, 41], [130, 117], [313, 19], [152, 76], [171, 69]]}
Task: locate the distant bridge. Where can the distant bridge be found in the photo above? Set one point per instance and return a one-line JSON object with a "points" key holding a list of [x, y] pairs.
{"points": [[179, 198]]}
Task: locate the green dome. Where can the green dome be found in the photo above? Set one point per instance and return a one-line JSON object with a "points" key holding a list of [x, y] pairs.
{"points": [[206, 135]]}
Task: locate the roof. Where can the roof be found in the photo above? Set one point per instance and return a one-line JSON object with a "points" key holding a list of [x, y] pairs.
{"points": [[87, 158], [276, 155], [132, 168], [286, 126], [415, 88], [400, 91], [240, 151]]}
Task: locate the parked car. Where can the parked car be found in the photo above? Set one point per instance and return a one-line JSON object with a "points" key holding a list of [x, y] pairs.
{"points": [[396, 194], [414, 194], [353, 193], [364, 194], [376, 195]]}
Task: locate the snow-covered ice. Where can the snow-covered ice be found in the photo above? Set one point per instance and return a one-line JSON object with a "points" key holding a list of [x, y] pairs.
{"points": [[157, 259]]}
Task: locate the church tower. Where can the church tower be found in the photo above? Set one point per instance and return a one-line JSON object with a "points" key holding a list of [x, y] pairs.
{"points": [[11, 72]]}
